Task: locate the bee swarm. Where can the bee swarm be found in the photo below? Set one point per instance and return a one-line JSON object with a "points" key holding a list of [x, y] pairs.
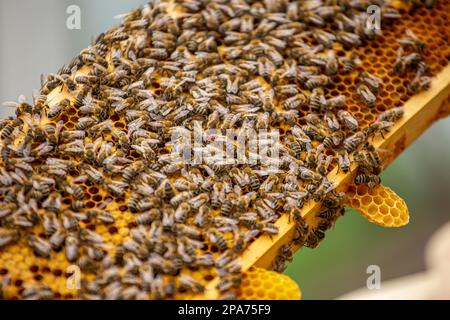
{"points": [[87, 178]]}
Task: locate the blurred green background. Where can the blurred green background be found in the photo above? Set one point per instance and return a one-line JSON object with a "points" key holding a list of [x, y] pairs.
{"points": [[34, 40]]}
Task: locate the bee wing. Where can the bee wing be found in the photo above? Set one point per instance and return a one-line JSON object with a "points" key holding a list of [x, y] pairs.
{"points": [[10, 104], [411, 34]]}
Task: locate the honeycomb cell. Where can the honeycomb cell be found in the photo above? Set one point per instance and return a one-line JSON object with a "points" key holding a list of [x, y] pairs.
{"points": [[386, 208], [366, 200], [390, 202]]}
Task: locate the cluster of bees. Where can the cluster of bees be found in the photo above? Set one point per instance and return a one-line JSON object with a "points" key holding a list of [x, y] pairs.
{"points": [[229, 65], [416, 4], [410, 59]]}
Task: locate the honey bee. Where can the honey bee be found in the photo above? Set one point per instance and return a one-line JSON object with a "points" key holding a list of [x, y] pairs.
{"points": [[53, 202], [90, 237], [133, 202], [335, 102], [41, 247], [371, 180], [253, 179], [85, 122], [323, 37], [116, 36], [71, 135], [374, 157], [82, 94], [9, 128], [148, 217], [367, 96], [75, 190], [313, 132], [199, 200], [287, 90], [412, 41], [301, 226], [105, 217], [94, 175], [57, 239], [181, 212], [332, 65], [331, 214], [390, 13], [69, 222], [391, 115], [229, 283], [57, 108], [75, 148], [201, 218], [101, 128], [218, 195], [269, 184], [50, 84], [230, 120], [140, 88], [286, 253], [217, 239], [324, 189], [274, 55], [70, 84], [406, 61], [190, 284], [86, 79], [38, 293], [317, 99], [315, 81], [419, 83], [227, 206], [296, 101], [314, 237], [331, 121], [89, 153], [249, 219], [344, 161], [371, 81], [323, 164], [350, 122], [364, 164], [189, 231], [333, 140], [379, 127], [350, 63], [8, 237], [131, 171], [117, 188], [348, 39], [351, 143]]}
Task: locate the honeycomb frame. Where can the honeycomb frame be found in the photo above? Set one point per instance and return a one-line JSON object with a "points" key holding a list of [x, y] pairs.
{"points": [[420, 112]]}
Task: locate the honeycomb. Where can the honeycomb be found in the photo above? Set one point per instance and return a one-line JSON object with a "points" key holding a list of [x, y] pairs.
{"points": [[379, 205], [261, 284], [21, 269]]}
